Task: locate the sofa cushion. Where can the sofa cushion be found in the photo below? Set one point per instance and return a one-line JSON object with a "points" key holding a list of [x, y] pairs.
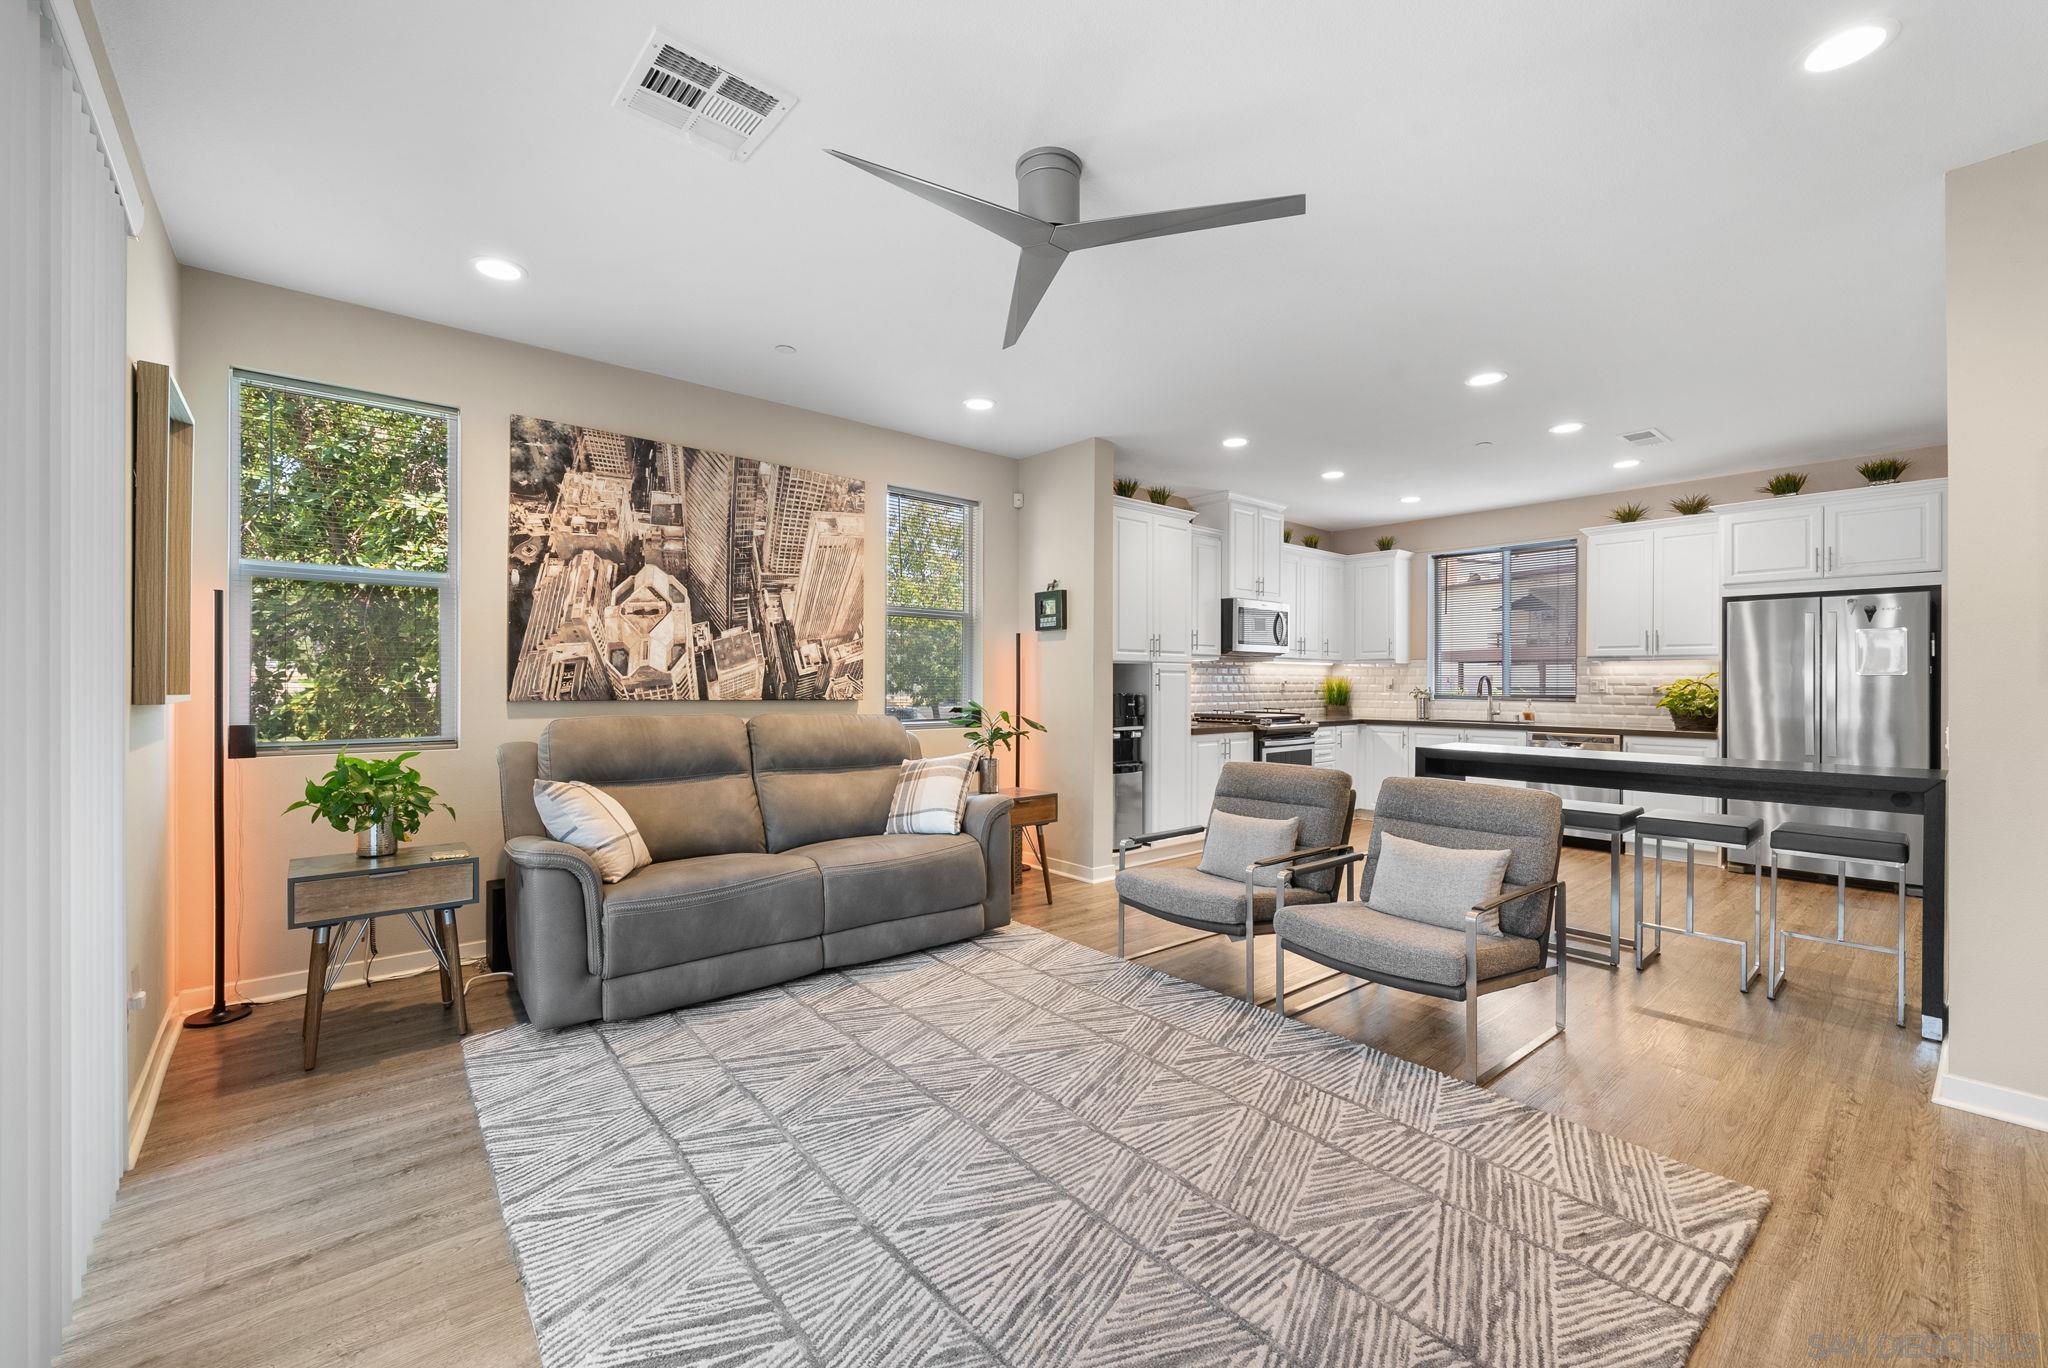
{"points": [[686, 781], [871, 879], [681, 910], [1354, 934], [823, 777]]}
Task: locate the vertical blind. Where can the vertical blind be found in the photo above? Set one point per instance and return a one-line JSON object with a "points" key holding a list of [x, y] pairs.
{"points": [[1507, 614], [63, 701]]}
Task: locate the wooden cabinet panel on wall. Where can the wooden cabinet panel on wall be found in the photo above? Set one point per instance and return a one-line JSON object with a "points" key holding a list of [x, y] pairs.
{"points": [[160, 586]]}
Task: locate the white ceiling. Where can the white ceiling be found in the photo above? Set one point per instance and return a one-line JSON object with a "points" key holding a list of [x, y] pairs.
{"points": [[1641, 209]]}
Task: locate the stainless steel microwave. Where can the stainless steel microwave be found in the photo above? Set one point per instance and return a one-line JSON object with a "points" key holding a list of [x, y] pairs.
{"points": [[1254, 627]]}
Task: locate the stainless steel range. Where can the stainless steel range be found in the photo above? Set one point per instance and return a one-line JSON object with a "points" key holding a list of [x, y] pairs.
{"points": [[1278, 738]]}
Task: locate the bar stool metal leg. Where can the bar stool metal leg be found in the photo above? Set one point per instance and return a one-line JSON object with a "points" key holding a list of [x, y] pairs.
{"points": [[1747, 969], [1782, 938], [1777, 974], [1584, 953], [1901, 1013]]}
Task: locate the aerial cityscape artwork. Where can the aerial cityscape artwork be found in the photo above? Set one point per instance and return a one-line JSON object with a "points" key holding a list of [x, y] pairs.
{"points": [[651, 570]]}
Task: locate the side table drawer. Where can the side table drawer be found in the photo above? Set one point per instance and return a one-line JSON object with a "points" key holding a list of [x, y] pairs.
{"points": [[370, 894]]}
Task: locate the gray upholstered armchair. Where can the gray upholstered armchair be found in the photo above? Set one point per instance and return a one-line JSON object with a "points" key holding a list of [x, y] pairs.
{"points": [[1217, 906], [1462, 964]]}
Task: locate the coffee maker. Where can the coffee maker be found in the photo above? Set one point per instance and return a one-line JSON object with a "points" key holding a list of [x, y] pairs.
{"points": [[1130, 710]]}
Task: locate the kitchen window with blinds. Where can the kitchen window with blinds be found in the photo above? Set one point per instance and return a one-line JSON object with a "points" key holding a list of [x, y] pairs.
{"points": [[933, 605], [1508, 614], [343, 594]]}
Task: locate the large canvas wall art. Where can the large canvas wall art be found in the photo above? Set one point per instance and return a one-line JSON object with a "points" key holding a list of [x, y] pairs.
{"points": [[648, 570]]}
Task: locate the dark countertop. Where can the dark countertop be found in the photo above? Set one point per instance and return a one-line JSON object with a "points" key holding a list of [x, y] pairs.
{"points": [[1806, 775], [1505, 724]]}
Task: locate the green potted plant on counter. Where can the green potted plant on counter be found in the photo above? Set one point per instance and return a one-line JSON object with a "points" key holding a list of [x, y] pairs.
{"points": [[382, 801], [1694, 704], [1337, 696], [987, 731]]}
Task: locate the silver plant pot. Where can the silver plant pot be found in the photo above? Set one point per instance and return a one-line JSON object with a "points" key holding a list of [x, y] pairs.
{"points": [[985, 767], [377, 840]]}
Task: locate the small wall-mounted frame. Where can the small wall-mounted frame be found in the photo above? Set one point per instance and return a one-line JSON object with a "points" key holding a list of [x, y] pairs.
{"points": [[160, 667], [1049, 610]]}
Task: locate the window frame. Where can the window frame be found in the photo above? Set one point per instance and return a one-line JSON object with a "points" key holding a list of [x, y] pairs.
{"points": [[970, 617], [1505, 551], [241, 570]]}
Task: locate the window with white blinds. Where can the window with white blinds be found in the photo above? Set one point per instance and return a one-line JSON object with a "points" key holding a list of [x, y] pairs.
{"points": [[344, 598], [1505, 614], [933, 605]]}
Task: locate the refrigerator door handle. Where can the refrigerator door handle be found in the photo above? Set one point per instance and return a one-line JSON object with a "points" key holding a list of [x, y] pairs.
{"points": [[1809, 646], [1830, 664]]}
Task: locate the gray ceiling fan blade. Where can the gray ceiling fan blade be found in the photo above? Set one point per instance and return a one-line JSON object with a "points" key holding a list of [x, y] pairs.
{"points": [[1036, 266], [1019, 229], [1074, 237]]}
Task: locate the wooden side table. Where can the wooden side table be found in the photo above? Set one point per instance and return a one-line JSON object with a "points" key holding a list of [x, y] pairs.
{"points": [[337, 897], [1031, 808]]}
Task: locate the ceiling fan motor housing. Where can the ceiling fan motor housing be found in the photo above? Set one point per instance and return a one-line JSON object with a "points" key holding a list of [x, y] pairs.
{"points": [[1049, 185]]}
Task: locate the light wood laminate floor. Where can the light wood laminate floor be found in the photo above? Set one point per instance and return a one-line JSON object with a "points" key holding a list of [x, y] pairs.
{"points": [[278, 1217]]}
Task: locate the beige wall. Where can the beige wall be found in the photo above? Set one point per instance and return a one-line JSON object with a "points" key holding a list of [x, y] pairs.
{"points": [[1997, 611], [1564, 517], [1065, 534], [226, 322]]}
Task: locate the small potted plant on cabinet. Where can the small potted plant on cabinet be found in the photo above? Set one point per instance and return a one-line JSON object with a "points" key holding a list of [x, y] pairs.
{"points": [[1694, 704], [987, 731], [382, 801], [1337, 696]]}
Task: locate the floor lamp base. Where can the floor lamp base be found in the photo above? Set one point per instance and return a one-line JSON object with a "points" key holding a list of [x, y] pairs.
{"points": [[216, 1016]]}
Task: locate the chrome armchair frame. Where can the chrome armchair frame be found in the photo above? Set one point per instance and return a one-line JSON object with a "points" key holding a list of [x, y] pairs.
{"points": [[1473, 988], [1251, 872]]}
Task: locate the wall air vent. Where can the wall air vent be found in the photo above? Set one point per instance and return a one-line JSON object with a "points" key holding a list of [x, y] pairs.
{"points": [[686, 90], [1643, 437]]}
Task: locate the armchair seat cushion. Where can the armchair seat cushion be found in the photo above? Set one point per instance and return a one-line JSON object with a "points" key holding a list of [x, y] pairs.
{"points": [[869, 879], [1191, 895], [1354, 934], [677, 911]]}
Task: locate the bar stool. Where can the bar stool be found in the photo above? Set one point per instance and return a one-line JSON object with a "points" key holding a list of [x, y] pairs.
{"points": [[1845, 845], [1613, 821], [1724, 830]]}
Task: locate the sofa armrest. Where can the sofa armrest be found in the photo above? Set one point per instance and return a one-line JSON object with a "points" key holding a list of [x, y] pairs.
{"points": [[535, 855], [987, 820]]}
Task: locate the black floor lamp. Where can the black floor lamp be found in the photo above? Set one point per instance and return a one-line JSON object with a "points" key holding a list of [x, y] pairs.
{"points": [[239, 742]]}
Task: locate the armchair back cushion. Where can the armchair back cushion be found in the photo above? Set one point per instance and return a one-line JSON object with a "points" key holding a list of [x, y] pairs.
{"points": [[825, 776], [1527, 823], [1233, 842], [1322, 800], [1433, 884], [685, 781]]}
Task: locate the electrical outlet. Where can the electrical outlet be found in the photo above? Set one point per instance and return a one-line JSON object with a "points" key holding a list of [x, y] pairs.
{"points": [[138, 1000]]}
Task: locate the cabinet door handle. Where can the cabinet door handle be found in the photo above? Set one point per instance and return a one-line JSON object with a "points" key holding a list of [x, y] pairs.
{"points": [[1831, 558], [1816, 560], [1646, 638]]}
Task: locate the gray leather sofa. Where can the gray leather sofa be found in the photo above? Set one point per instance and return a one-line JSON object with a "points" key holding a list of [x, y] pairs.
{"points": [[769, 861]]}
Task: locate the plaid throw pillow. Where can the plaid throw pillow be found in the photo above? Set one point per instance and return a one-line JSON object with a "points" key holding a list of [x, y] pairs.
{"points": [[930, 796], [591, 820]]}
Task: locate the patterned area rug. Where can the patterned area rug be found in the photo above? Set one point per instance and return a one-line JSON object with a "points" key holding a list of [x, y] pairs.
{"points": [[1018, 1150]]}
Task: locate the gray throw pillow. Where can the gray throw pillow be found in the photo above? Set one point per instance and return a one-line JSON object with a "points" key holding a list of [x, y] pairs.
{"points": [[1234, 842], [1436, 885]]}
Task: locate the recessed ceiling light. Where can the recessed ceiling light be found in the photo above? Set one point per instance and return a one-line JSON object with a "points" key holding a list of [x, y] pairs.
{"points": [[1628, 463], [1411, 498], [1846, 48], [784, 348], [1333, 474], [498, 268], [1566, 429], [1482, 444], [1235, 442], [1485, 378], [979, 405]]}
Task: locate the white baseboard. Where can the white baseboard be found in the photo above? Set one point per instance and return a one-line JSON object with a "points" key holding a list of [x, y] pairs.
{"points": [[277, 987], [150, 1082], [1093, 874], [1988, 1099], [1104, 873]]}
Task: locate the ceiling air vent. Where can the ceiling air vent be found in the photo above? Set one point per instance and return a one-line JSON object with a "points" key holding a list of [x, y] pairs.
{"points": [[686, 90], [1643, 437]]}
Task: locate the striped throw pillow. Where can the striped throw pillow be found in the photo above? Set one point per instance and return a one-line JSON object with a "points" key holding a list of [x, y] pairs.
{"points": [[591, 820], [931, 796]]}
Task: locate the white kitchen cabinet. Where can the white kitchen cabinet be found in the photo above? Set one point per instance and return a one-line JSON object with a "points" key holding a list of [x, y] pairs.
{"points": [[1377, 587], [1652, 589], [1386, 753], [1333, 599], [1207, 587], [1252, 540], [1881, 532], [1154, 560], [1169, 752], [1210, 755], [1313, 587], [1649, 802]]}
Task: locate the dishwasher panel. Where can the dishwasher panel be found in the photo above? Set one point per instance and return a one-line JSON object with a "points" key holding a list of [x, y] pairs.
{"points": [[1591, 741]]}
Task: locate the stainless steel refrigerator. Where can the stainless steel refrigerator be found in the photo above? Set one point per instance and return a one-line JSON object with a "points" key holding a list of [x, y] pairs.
{"points": [[1846, 679]]}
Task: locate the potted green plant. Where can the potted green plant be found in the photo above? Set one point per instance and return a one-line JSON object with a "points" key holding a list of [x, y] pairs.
{"points": [[1159, 496], [1287, 535], [1383, 543], [1779, 486], [1127, 489], [1694, 704], [1692, 505], [1884, 470], [1628, 513], [1337, 695], [987, 731], [1311, 540], [1421, 697], [382, 801]]}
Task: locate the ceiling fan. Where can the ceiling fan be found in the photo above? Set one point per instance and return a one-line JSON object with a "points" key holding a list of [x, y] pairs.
{"points": [[1047, 222]]}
